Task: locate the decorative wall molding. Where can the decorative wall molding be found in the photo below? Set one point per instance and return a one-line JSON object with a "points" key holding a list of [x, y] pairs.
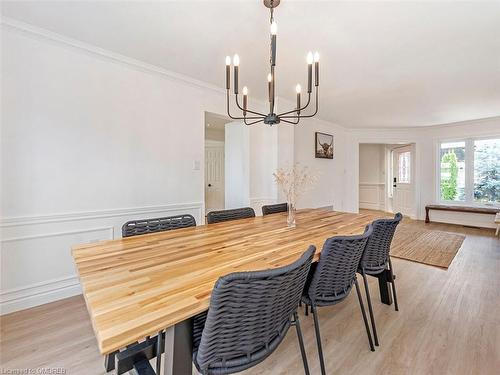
{"points": [[38, 294], [54, 235], [29, 29], [58, 234], [89, 215], [372, 195], [257, 203]]}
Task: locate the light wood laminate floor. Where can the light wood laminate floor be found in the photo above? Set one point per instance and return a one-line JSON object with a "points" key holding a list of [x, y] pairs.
{"points": [[448, 323]]}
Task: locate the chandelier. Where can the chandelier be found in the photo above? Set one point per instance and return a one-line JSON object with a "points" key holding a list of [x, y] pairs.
{"points": [[293, 116]]}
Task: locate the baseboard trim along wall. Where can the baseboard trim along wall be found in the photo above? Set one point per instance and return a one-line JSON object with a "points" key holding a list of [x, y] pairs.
{"points": [[37, 266]]}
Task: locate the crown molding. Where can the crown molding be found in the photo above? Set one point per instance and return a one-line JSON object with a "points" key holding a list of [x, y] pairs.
{"points": [[35, 31], [431, 126]]}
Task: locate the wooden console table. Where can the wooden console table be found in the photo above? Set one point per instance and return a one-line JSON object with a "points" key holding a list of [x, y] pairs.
{"points": [[468, 209]]}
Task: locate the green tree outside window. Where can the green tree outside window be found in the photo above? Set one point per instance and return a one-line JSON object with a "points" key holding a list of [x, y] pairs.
{"points": [[449, 175]]}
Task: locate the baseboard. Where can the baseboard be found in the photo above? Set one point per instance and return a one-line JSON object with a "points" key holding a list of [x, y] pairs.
{"points": [[371, 206], [38, 294]]}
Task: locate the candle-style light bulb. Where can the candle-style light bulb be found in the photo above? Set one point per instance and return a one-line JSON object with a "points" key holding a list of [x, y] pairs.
{"points": [[269, 79], [310, 58], [245, 100], [298, 89], [228, 72], [274, 28], [316, 69], [236, 63]]}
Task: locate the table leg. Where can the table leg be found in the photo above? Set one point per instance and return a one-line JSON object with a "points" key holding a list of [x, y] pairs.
{"points": [[427, 214], [383, 286], [179, 349]]}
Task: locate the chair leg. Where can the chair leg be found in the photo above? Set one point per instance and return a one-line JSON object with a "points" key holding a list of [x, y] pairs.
{"points": [[363, 312], [301, 343], [318, 339], [393, 284], [109, 361], [307, 309], [370, 309]]}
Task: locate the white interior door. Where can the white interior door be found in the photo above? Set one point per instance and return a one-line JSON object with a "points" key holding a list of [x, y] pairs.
{"points": [[214, 176], [403, 182]]}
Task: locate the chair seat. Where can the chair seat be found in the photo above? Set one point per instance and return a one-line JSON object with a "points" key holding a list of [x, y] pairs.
{"points": [[327, 300], [373, 270], [238, 363]]}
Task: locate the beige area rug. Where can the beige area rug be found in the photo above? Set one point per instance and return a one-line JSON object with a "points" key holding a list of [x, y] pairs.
{"points": [[432, 247]]}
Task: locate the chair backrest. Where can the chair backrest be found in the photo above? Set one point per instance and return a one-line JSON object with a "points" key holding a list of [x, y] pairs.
{"points": [[136, 227], [249, 315], [376, 254], [274, 208], [226, 215], [336, 270]]}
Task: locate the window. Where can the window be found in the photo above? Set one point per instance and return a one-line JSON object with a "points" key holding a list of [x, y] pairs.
{"points": [[404, 167], [469, 171], [487, 170], [452, 186]]}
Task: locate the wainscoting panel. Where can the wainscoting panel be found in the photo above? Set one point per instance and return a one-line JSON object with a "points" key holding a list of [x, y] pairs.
{"points": [[372, 196], [257, 203], [36, 262]]}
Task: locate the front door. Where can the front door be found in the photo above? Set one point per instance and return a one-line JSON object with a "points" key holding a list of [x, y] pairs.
{"points": [[403, 184]]}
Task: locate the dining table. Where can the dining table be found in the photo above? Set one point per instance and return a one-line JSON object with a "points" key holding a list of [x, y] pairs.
{"points": [[154, 284]]}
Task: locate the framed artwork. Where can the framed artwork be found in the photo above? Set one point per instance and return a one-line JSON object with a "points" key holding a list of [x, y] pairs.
{"points": [[323, 145]]}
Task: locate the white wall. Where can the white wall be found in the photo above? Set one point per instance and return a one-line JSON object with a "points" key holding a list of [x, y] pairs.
{"points": [[372, 176], [237, 165], [263, 163], [332, 175]]}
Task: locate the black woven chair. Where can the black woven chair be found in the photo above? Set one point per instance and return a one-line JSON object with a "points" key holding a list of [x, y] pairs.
{"points": [[376, 260], [226, 215], [274, 208], [331, 279], [137, 227], [143, 226], [249, 315]]}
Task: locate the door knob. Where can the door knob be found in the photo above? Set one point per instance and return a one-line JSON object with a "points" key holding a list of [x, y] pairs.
{"points": [[209, 185]]}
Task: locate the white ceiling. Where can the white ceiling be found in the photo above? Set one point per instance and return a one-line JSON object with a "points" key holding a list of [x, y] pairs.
{"points": [[383, 64]]}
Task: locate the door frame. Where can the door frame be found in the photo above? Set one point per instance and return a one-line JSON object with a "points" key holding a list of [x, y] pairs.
{"points": [[416, 147]]}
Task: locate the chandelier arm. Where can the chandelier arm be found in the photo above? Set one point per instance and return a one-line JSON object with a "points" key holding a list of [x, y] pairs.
{"points": [[253, 122], [292, 122], [307, 116], [301, 109], [247, 110], [240, 118]]}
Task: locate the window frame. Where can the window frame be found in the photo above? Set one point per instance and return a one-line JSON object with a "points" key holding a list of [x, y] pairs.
{"points": [[469, 172]]}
